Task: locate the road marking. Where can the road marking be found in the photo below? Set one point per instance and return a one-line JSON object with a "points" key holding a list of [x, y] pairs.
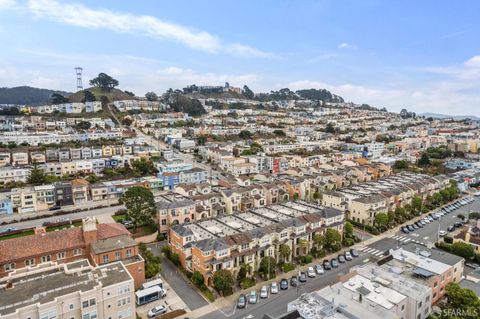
{"points": [[426, 237], [378, 254], [392, 236], [368, 250], [406, 241]]}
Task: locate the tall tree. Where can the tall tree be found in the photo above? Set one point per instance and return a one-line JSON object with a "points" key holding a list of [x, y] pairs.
{"points": [[424, 160], [223, 282], [140, 205], [332, 237], [88, 96], [284, 252], [36, 176], [151, 96], [348, 230], [104, 81], [57, 98], [381, 219], [267, 267], [247, 92]]}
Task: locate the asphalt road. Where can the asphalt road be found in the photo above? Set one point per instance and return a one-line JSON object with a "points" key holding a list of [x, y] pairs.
{"points": [[277, 304], [82, 214], [182, 287]]}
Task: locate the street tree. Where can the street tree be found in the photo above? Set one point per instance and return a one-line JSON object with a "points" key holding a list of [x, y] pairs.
{"points": [[348, 230], [284, 252], [223, 282], [267, 267], [332, 238], [140, 205]]}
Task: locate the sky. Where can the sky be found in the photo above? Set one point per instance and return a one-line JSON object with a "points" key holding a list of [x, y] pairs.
{"points": [[419, 55]]}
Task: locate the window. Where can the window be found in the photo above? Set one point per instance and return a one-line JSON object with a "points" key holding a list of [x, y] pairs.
{"points": [[118, 255], [129, 253], [46, 258], [9, 267], [77, 252], [61, 255], [30, 262], [427, 299], [164, 221], [71, 306], [420, 304], [85, 304], [403, 307], [92, 302], [105, 258], [244, 246]]}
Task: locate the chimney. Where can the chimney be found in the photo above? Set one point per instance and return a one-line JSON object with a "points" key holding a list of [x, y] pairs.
{"points": [[89, 226], [39, 230]]}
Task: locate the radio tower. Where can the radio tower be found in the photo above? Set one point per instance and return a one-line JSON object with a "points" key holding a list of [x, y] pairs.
{"points": [[78, 71]]}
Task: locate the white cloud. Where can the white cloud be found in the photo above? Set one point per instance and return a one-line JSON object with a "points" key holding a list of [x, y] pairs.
{"points": [[82, 16], [346, 45], [322, 57]]}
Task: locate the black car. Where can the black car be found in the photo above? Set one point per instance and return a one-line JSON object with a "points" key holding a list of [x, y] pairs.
{"points": [[284, 284], [354, 252], [326, 265], [242, 301], [293, 281], [410, 228], [341, 259], [450, 228], [405, 230], [457, 224], [302, 277], [419, 224], [334, 263]]}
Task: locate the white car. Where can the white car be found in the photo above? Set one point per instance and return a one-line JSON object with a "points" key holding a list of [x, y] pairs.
{"points": [[442, 233], [319, 269], [157, 311], [426, 220], [264, 292], [311, 272], [274, 288]]}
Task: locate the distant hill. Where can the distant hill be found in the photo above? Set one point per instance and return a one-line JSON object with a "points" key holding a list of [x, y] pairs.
{"points": [[444, 116], [22, 95], [112, 95]]}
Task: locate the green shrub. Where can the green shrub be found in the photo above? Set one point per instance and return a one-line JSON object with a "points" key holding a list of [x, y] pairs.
{"points": [[286, 267], [348, 242], [161, 236], [247, 283], [448, 240]]}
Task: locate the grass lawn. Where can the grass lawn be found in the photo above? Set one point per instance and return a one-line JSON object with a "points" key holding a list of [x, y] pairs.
{"points": [[22, 234], [119, 218]]}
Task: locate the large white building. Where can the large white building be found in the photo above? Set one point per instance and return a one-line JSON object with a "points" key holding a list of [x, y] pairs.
{"points": [[74, 290]]}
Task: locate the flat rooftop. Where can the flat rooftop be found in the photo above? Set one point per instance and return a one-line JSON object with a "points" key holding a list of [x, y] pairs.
{"points": [[43, 286]]}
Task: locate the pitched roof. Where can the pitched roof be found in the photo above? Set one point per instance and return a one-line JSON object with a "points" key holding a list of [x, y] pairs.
{"points": [[41, 244]]}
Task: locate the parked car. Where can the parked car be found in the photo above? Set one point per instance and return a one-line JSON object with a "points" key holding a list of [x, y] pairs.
{"points": [[334, 263], [442, 233], [451, 228], [274, 288], [348, 256], [415, 227], [405, 230], [419, 225], [311, 272], [430, 218], [302, 277], [284, 284], [457, 224], [157, 311], [341, 259], [242, 301], [264, 292], [326, 265], [293, 281], [252, 297], [354, 252], [319, 269], [410, 228], [423, 222]]}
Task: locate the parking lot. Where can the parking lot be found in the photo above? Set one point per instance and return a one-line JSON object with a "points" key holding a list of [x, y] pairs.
{"points": [[172, 301]]}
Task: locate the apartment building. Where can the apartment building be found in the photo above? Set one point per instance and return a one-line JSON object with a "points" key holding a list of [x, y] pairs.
{"points": [[430, 267], [227, 241], [363, 201], [99, 243], [173, 209], [24, 200], [71, 290]]}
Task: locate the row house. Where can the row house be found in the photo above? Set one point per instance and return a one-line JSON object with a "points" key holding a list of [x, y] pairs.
{"points": [[364, 200], [172, 209], [228, 241]]}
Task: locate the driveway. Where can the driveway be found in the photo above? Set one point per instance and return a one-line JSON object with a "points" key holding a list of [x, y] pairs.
{"points": [[182, 286]]}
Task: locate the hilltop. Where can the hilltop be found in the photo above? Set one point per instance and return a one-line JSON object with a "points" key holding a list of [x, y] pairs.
{"points": [[26, 95], [111, 94]]}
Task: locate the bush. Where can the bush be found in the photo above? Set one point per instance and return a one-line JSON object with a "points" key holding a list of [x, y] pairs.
{"points": [[286, 267], [448, 240], [167, 251], [161, 236], [305, 259], [335, 247], [175, 259], [197, 278], [247, 283], [348, 242]]}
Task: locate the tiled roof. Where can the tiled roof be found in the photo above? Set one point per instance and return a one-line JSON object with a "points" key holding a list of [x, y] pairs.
{"points": [[41, 244], [111, 230]]}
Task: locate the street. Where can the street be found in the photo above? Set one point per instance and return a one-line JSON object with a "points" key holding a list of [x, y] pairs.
{"points": [[277, 304]]}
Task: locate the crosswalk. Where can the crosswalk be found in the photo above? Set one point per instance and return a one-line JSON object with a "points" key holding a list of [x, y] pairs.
{"points": [[404, 239], [371, 251]]}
